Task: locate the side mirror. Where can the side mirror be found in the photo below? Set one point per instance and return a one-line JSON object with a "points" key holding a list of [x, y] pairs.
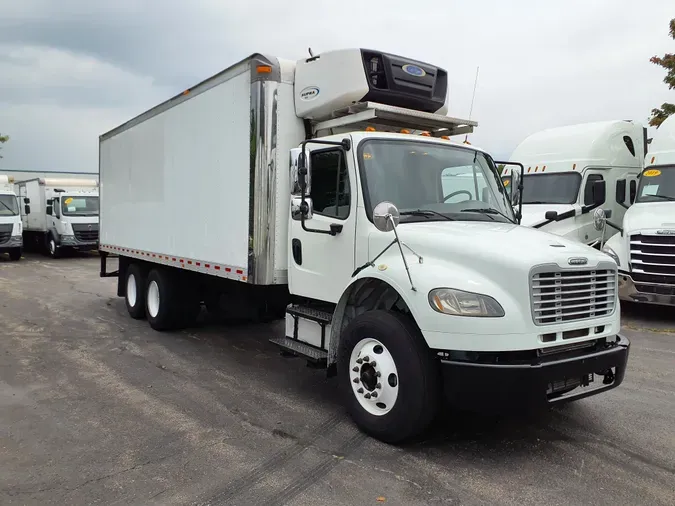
{"points": [[551, 215], [599, 192], [386, 217], [304, 173], [26, 200], [300, 208], [26, 210], [516, 177], [293, 171], [49, 210], [633, 191], [621, 191], [599, 219]]}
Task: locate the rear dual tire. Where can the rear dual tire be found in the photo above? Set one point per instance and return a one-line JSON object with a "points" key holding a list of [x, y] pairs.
{"points": [[170, 302]]}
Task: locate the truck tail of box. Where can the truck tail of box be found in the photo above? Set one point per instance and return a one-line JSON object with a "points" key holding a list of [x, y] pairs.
{"points": [[199, 181]]}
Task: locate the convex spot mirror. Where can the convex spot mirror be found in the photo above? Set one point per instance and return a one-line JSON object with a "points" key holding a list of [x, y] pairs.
{"points": [[599, 219], [386, 216]]}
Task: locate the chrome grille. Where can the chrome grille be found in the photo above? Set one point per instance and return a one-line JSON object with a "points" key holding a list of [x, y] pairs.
{"points": [[86, 232], [561, 296], [652, 260], [5, 232]]}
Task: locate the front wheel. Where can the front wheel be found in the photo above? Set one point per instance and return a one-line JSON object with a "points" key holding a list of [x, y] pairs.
{"points": [[52, 247], [388, 376], [15, 254]]}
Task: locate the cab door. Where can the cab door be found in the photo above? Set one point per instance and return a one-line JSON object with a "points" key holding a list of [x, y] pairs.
{"points": [[321, 251], [586, 230]]}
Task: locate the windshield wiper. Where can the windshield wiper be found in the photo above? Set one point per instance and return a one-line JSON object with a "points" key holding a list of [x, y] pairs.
{"points": [[488, 211], [426, 213], [535, 202], [664, 197]]}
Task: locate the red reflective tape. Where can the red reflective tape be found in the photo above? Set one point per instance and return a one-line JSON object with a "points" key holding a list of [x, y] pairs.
{"points": [[173, 259], [239, 271], [207, 265], [198, 264], [189, 262], [182, 261], [217, 267], [227, 269]]}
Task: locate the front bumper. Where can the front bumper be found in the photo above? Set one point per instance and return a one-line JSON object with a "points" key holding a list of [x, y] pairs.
{"points": [[15, 241], [506, 384], [662, 295], [70, 241]]}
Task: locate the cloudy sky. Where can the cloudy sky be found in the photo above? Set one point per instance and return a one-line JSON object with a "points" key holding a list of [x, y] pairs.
{"points": [[73, 69]]}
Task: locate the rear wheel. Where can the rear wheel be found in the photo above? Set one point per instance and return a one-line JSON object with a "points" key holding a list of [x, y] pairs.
{"points": [[388, 376], [15, 254], [170, 302], [135, 292]]}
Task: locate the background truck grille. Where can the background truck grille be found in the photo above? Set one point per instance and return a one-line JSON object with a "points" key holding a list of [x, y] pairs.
{"points": [[652, 260], [5, 232], [569, 296], [85, 232]]}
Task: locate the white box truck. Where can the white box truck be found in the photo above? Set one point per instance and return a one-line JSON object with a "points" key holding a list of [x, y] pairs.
{"points": [[571, 171], [11, 240], [327, 190], [644, 248], [63, 214]]}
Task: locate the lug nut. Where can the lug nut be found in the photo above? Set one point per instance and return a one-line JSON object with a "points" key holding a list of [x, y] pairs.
{"points": [[373, 363], [378, 373], [367, 396], [356, 369], [374, 395], [355, 380], [359, 361], [366, 358], [378, 386], [360, 391]]}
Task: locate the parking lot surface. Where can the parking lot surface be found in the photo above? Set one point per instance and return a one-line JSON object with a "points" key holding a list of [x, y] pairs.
{"points": [[96, 408]]}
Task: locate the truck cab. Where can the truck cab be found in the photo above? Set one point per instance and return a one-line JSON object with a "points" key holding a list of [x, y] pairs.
{"points": [[11, 240], [572, 170], [644, 249]]}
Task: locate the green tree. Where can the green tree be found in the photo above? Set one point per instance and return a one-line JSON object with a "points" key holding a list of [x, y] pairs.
{"points": [[500, 168], [3, 139], [667, 61]]}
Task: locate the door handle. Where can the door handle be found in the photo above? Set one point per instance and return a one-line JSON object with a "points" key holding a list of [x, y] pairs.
{"points": [[335, 228]]}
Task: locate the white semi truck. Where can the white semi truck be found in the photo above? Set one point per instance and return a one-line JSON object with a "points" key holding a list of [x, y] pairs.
{"points": [[63, 214], [644, 248], [326, 191], [571, 171], [11, 240]]}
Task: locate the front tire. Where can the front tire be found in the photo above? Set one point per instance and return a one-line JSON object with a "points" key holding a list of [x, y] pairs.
{"points": [[15, 254], [388, 376], [52, 247], [134, 294]]}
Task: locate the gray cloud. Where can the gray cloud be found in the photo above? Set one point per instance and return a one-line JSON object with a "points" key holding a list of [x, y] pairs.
{"points": [[70, 70]]}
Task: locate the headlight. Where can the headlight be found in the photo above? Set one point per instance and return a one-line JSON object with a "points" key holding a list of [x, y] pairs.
{"points": [[609, 251], [460, 303]]}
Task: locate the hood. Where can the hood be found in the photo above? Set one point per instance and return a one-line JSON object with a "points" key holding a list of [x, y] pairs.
{"points": [[534, 214], [649, 215], [489, 248]]}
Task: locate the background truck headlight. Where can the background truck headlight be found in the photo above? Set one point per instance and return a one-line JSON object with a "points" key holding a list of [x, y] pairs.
{"points": [[609, 251], [461, 303]]}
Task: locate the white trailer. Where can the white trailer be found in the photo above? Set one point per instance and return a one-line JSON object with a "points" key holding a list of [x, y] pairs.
{"points": [[571, 171], [644, 248], [60, 214], [11, 241], [287, 185]]}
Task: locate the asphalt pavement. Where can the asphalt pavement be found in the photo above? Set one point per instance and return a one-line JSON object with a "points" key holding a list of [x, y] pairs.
{"points": [[96, 408]]}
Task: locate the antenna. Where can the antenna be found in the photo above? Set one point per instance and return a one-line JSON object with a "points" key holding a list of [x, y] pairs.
{"points": [[311, 53], [473, 97]]}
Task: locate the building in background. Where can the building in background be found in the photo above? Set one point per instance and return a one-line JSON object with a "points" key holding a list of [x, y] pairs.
{"points": [[23, 175]]}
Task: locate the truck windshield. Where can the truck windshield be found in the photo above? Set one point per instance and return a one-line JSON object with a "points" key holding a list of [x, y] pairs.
{"points": [[657, 184], [8, 205], [79, 206], [560, 188], [449, 182]]}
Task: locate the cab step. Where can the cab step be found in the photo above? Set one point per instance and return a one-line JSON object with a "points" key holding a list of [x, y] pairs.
{"points": [[310, 313], [297, 348]]}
